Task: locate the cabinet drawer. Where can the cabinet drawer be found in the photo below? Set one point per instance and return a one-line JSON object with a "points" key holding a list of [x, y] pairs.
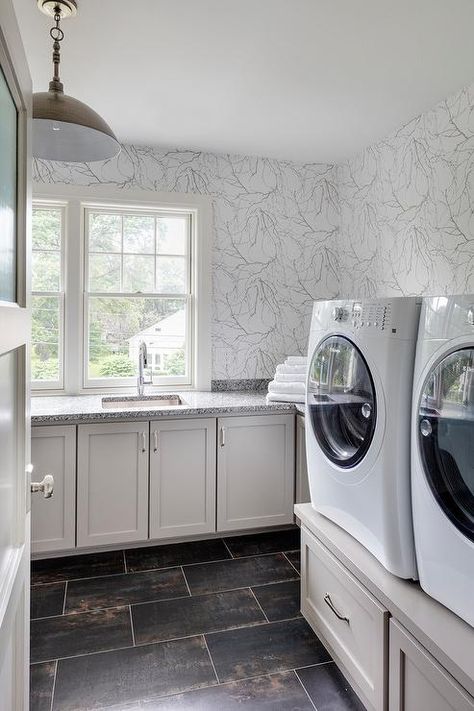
{"points": [[348, 619]]}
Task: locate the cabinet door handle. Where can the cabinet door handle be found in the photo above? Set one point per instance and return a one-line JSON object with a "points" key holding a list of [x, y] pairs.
{"points": [[143, 442], [155, 441], [45, 487], [330, 604], [222, 437]]}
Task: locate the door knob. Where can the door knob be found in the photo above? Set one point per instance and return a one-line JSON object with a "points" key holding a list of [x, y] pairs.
{"points": [[46, 487]]}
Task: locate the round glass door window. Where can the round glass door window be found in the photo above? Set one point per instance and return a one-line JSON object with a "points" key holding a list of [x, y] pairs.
{"points": [[341, 400], [446, 436]]}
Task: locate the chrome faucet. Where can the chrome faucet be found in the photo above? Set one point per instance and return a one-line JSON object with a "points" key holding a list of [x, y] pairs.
{"points": [[142, 364]]}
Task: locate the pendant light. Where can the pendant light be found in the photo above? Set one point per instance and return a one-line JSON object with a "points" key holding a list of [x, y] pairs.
{"points": [[64, 128]]}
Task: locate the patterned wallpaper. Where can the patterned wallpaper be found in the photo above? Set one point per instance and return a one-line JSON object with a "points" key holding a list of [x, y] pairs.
{"points": [[407, 221], [396, 219], [275, 233]]}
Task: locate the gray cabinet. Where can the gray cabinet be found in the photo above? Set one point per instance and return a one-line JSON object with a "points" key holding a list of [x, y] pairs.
{"points": [[53, 521], [112, 483], [255, 471], [182, 477], [417, 681], [351, 623], [302, 494]]}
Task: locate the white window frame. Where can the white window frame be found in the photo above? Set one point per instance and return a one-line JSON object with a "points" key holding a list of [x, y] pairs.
{"points": [[55, 386], [78, 199]]}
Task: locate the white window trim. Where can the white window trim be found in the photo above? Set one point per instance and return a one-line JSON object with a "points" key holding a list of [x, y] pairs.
{"points": [[77, 198]]}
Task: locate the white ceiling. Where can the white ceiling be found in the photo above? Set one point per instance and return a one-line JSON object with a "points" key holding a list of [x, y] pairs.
{"points": [[304, 80]]}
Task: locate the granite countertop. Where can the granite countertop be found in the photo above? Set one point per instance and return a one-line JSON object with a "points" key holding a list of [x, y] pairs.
{"points": [[88, 408]]}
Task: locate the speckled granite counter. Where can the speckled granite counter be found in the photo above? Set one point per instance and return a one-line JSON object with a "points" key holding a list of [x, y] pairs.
{"points": [[88, 408]]}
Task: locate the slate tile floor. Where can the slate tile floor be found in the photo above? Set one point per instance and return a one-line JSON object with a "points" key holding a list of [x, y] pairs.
{"points": [[209, 626]]}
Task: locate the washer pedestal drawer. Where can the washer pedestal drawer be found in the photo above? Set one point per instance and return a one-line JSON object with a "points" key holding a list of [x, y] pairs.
{"points": [[348, 619]]}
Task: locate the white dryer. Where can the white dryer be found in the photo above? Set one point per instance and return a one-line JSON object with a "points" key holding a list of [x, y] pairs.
{"points": [[358, 400], [443, 452]]}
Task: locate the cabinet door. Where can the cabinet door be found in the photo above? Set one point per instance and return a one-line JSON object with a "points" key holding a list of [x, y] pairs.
{"points": [[182, 477], [255, 471], [302, 483], [112, 483], [417, 681], [53, 521]]}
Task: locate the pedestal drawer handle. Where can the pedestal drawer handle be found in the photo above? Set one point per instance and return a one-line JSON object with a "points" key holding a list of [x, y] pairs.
{"points": [[330, 604]]}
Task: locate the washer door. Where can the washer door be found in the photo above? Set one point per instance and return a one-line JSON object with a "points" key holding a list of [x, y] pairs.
{"points": [[446, 436], [341, 400]]}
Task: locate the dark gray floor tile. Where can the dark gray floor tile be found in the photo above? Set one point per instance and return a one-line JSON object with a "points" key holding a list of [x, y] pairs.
{"points": [[268, 542], [160, 621], [66, 636], [329, 689], [246, 572], [132, 675], [47, 600], [41, 686], [125, 589], [295, 559], [278, 692], [89, 565], [280, 601], [264, 649], [172, 554]]}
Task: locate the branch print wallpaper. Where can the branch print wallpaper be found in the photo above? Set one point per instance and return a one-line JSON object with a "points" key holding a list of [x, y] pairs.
{"points": [[275, 237], [396, 219], [407, 222]]}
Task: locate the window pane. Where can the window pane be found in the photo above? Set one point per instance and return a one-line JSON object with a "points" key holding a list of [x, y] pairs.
{"points": [[46, 229], [46, 271], [139, 234], [138, 273], [172, 235], [117, 325], [45, 338], [104, 272], [171, 275], [105, 232]]}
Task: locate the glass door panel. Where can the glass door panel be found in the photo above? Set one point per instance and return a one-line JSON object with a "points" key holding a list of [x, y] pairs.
{"points": [[8, 192], [341, 400], [446, 436]]}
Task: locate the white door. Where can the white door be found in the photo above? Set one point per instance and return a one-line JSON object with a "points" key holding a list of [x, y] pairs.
{"points": [[15, 106], [112, 483], [182, 477], [53, 521], [255, 471]]}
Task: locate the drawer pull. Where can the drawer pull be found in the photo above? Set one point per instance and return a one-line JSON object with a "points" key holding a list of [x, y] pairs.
{"points": [[155, 440], [143, 442], [330, 604]]}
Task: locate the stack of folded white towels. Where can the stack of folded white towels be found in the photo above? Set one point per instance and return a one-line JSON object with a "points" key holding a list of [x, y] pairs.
{"points": [[289, 382]]}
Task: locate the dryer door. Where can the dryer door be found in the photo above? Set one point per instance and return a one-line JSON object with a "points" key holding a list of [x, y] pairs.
{"points": [[341, 401], [446, 436]]}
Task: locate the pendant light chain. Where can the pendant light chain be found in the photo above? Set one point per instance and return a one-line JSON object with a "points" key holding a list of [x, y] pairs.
{"points": [[57, 35]]}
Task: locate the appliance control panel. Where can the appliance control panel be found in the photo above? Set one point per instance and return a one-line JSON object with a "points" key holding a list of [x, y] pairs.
{"points": [[385, 317], [371, 315]]}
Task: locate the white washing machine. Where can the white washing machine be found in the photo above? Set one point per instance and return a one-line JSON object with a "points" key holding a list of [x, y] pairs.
{"points": [[358, 403], [443, 452]]}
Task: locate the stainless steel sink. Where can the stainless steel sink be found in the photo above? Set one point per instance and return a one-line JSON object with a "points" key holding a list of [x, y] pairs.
{"points": [[151, 402]]}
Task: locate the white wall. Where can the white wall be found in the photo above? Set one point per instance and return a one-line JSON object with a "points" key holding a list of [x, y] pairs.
{"points": [[407, 221], [275, 231]]}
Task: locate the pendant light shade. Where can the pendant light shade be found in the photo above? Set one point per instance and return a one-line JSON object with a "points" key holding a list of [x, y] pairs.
{"points": [[65, 129]]}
